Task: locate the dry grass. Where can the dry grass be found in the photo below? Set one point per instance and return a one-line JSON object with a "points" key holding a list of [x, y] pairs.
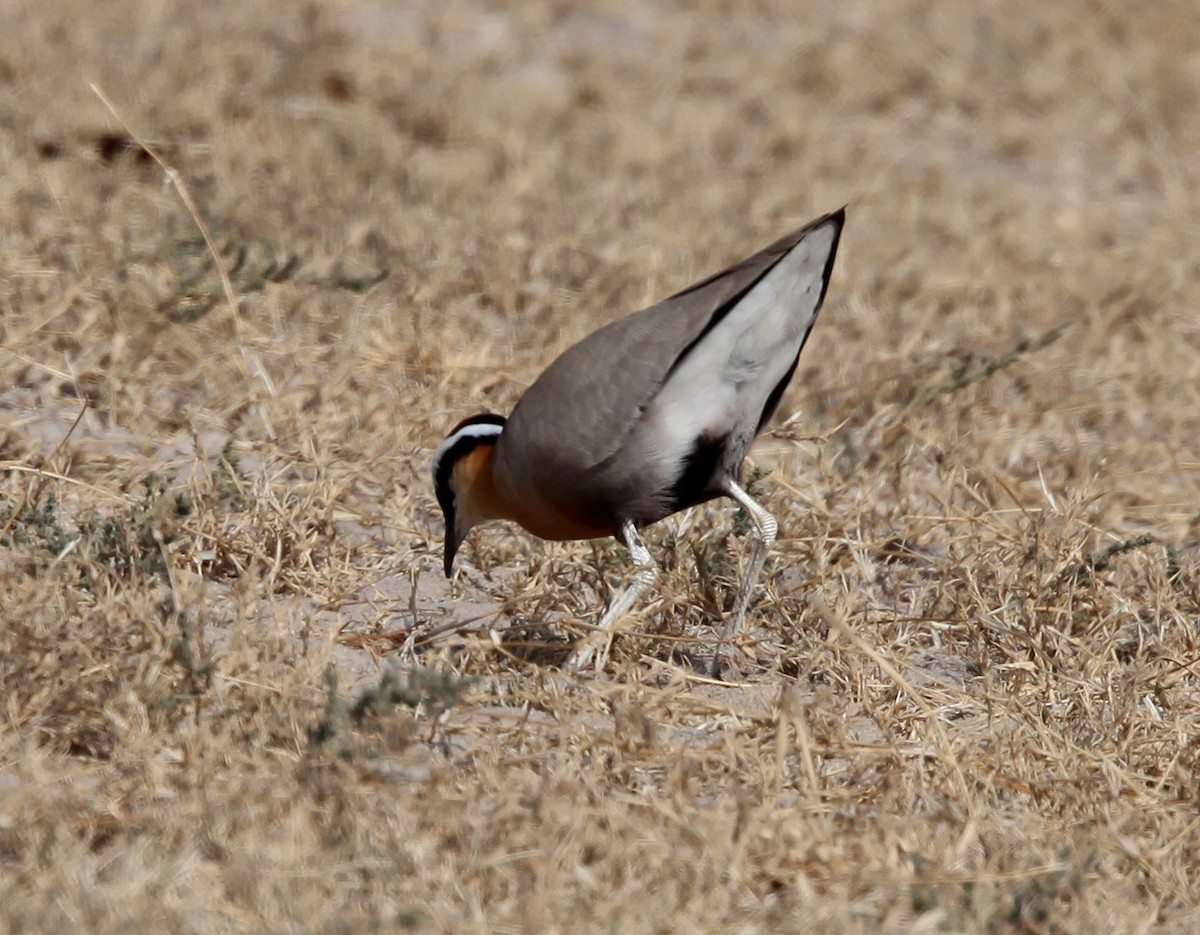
{"points": [[973, 702]]}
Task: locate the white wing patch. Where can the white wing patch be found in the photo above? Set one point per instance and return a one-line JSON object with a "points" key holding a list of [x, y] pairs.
{"points": [[726, 378]]}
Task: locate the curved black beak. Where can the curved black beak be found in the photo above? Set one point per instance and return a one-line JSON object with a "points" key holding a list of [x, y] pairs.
{"points": [[453, 541]]}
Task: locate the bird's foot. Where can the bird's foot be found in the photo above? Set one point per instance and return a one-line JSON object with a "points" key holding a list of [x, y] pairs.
{"points": [[727, 663], [587, 655]]}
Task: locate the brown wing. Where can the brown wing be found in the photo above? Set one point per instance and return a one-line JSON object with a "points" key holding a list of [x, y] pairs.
{"points": [[601, 385], [582, 409]]}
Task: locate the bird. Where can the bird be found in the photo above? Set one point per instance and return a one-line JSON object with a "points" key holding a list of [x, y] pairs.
{"points": [[649, 415]]}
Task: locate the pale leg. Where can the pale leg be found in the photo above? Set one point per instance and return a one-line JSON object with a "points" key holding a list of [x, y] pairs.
{"points": [[763, 537], [644, 574]]}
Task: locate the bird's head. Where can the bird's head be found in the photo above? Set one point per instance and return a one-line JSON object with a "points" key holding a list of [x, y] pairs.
{"points": [[462, 478]]}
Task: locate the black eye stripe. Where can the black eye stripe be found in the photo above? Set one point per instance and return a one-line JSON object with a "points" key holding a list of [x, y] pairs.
{"points": [[442, 470], [453, 449], [444, 467]]}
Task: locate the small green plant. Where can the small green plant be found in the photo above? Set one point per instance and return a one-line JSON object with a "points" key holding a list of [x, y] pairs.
{"points": [[1100, 561], [949, 373], [128, 546], [196, 282], [189, 653], [225, 479], [1034, 905], [120, 547], [431, 691], [36, 526]]}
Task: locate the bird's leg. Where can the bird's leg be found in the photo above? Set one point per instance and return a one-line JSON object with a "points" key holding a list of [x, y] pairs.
{"points": [[763, 537], [644, 575]]}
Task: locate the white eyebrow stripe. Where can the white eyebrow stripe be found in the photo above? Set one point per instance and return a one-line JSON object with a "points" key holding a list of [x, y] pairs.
{"points": [[480, 430]]}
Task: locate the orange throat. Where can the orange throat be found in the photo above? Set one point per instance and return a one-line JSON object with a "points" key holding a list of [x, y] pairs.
{"points": [[481, 500], [476, 486]]}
